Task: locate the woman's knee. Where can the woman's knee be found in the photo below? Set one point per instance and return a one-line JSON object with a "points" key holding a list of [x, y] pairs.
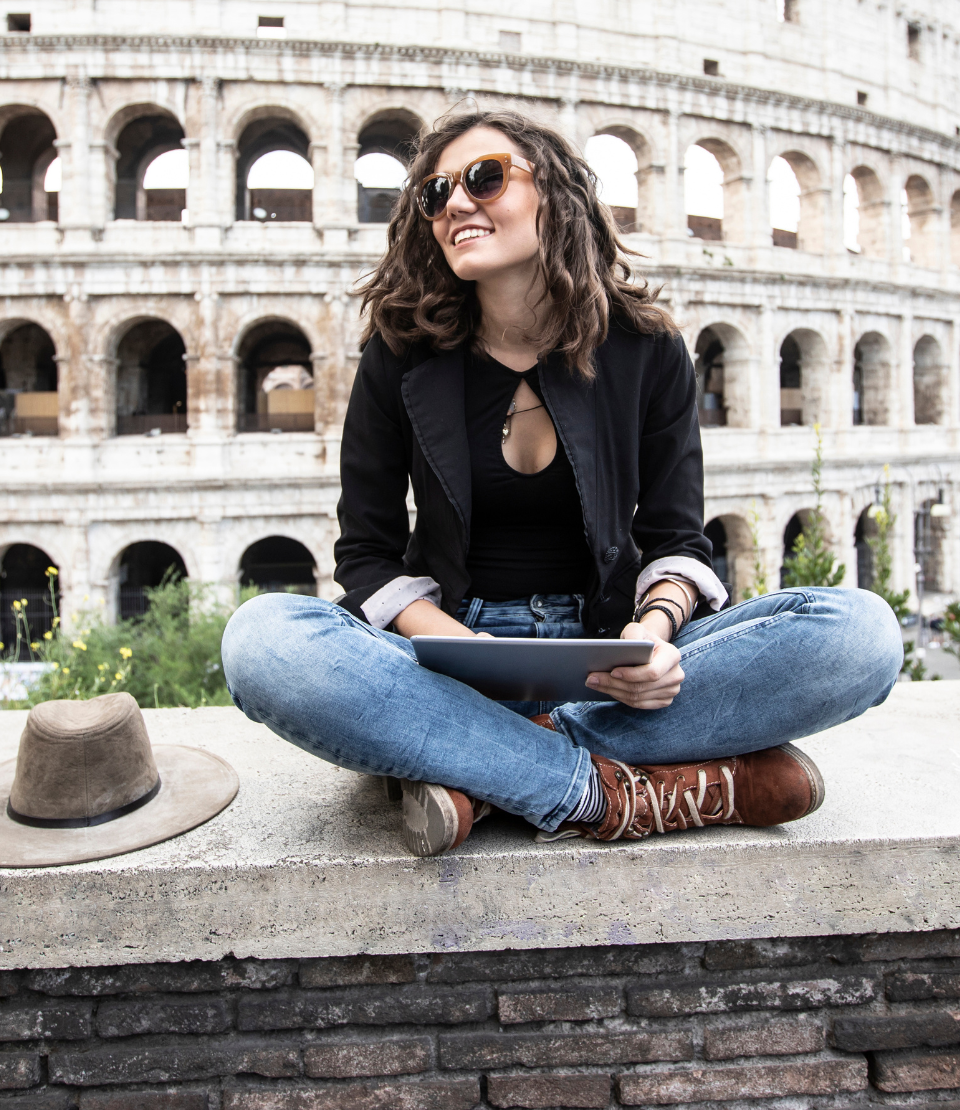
{"points": [[876, 641], [262, 630]]}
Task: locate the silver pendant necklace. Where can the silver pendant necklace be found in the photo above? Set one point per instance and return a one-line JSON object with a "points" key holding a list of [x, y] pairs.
{"points": [[511, 412]]}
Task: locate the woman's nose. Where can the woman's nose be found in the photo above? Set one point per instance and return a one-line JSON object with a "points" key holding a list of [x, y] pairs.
{"points": [[460, 201]]}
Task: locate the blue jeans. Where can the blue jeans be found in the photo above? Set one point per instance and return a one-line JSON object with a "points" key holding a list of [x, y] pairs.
{"points": [[762, 673]]}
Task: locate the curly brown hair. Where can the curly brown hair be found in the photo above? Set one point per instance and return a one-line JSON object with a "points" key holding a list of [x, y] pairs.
{"points": [[413, 295]]}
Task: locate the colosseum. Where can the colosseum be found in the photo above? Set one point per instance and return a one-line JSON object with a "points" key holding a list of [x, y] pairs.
{"points": [[192, 187]]}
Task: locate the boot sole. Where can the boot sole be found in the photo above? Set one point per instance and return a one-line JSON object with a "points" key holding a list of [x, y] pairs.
{"points": [[817, 788], [430, 822]]}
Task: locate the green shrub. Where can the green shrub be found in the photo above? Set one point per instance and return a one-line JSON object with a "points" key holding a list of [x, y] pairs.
{"points": [[170, 656]]}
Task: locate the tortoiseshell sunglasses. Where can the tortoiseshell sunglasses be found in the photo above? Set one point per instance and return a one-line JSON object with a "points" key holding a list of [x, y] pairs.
{"points": [[485, 179]]}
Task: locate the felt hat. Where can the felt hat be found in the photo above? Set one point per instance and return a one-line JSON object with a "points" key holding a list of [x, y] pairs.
{"points": [[86, 784]]}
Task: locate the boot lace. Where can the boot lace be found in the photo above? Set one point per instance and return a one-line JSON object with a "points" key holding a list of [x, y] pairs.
{"points": [[665, 805]]}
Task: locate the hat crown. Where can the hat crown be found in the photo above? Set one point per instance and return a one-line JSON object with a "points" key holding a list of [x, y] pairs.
{"points": [[82, 759]]}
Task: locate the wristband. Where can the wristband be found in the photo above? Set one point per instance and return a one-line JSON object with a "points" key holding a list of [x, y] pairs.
{"points": [[661, 609]]}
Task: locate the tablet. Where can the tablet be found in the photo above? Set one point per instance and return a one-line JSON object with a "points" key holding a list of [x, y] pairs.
{"points": [[511, 668]]}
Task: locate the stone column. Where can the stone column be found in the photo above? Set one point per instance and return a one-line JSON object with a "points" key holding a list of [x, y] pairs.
{"points": [[675, 220], [205, 415], [902, 407], [317, 153], [75, 191], [206, 196], [767, 403], [840, 410], [833, 245], [756, 200]]}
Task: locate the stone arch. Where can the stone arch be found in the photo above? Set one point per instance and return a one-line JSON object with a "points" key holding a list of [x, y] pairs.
{"points": [[279, 564], [871, 235], [139, 133], [929, 382], [732, 227], [275, 381], [642, 217], [139, 567], [872, 379], [27, 138], [924, 217], [23, 577], [389, 132], [263, 130], [733, 561], [931, 533], [955, 228], [722, 361], [151, 378], [804, 377], [810, 227], [29, 401]]}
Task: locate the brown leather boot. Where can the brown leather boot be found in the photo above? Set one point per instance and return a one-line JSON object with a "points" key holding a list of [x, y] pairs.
{"points": [[437, 818], [762, 788]]}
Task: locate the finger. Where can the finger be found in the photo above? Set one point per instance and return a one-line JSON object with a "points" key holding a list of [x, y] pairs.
{"points": [[619, 689], [485, 636], [636, 676]]}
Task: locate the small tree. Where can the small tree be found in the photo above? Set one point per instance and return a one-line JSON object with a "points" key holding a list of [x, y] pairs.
{"points": [[759, 584], [812, 562]]}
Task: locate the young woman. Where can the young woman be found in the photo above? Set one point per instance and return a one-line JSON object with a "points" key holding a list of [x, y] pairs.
{"points": [[544, 410]]}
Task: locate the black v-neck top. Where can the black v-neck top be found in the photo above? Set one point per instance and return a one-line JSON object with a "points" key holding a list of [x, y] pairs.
{"points": [[526, 531]]}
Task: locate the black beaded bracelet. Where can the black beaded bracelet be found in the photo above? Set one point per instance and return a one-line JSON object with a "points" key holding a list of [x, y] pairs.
{"points": [[640, 614]]}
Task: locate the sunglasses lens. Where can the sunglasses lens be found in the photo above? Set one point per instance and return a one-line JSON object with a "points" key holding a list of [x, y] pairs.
{"points": [[434, 195], [484, 180]]}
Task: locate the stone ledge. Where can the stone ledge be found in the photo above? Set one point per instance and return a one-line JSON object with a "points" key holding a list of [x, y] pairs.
{"points": [[308, 862]]}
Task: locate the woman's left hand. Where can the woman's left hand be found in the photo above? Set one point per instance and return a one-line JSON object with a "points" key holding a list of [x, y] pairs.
{"points": [[653, 685]]}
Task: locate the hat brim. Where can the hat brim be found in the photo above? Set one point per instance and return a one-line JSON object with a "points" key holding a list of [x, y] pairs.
{"points": [[194, 786]]}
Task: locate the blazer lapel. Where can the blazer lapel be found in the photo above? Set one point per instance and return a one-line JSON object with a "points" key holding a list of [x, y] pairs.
{"points": [[433, 394], [573, 405]]}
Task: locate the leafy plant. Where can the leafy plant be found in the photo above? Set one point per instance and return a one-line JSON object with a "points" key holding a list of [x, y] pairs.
{"points": [[812, 562], [759, 584], [951, 626], [170, 656]]}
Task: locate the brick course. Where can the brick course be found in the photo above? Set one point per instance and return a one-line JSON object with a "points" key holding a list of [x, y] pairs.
{"points": [[862, 1019]]}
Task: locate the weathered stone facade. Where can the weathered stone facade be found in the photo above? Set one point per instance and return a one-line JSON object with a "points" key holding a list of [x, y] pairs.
{"points": [[351, 78]]}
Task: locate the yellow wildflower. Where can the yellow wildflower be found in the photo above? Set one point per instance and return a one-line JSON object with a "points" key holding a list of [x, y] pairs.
{"points": [[125, 653], [86, 597], [35, 646], [66, 670], [23, 602], [80, 645], [16, 606], [56, 666], [118, 677], [51, 572], [56, 621], [1, 645], [48, 635], [101, 666]]}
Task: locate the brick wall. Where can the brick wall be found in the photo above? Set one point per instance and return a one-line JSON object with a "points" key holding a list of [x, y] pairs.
{"points": [[870, 1020]]}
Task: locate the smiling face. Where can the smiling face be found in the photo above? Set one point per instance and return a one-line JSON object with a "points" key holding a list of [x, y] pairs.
{"points": [[483, 242]]}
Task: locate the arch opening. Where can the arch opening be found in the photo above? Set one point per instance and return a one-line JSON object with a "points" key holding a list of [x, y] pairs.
{"points": [[29, 403], [931, 532], [384, 152], [23, 577], [267, 194], [275, 387], [795, 525], [732, 552], [140, 144], [144, 566], [709, 367], [27, 151], [703, 192], [865, 531], [871, 379], [804, 377], [784, 194], [279, 564], [151, 380], [864, 213], [920, 219], [165, 182], [928, 382], [617, 167]]}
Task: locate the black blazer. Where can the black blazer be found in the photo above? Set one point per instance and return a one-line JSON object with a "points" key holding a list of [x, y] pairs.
{"points": [[632, 436]]}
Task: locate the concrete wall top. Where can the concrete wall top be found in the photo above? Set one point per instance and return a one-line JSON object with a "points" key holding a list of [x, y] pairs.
{"points": [[907, 60], [308, 862]]}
